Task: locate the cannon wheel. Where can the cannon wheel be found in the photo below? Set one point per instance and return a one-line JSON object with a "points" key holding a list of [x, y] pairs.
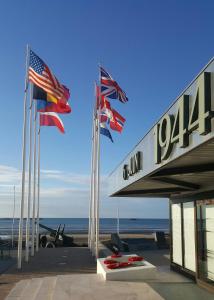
{"points": [[43, 241], [50, 245]]}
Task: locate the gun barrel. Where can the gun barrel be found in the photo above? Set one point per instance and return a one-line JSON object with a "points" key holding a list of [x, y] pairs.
{"points": [[47, 228]]}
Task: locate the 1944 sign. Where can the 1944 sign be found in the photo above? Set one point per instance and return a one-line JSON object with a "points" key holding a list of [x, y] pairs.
{"points": [[176, 128]]}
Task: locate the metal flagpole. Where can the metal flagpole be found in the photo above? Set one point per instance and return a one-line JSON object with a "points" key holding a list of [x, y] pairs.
{"points": [[91, 193], [118, 218], [92, 203], [95, 186], [19, 256], [34, 183], [38, 195], [95, 180], [29, 179], [98, 177], [14, 207]]}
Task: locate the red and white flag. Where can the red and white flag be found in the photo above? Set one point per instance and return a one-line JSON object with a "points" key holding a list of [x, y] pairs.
{"points": [[117, 121], [51, 119], [111, 116]]}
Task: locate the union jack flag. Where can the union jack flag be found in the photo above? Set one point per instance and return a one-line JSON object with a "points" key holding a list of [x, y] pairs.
{"points": [[42, 76], [110, 88]]}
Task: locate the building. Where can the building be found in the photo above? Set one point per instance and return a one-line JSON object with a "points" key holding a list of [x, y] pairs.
{"points": [[175, 159]]}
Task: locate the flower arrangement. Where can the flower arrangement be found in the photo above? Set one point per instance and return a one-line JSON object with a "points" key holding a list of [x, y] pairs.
{"points": [[115, 261], [135, 258], [116, 255]]}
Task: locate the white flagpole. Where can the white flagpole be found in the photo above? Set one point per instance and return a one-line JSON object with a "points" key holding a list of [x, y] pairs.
{"points": [[91, 193], [14, 207], [19, 256], [38, 196], [98, 188], [118, 218], [29, 179], [34, 183], [98, 178], [93, 161], [95, 186]]}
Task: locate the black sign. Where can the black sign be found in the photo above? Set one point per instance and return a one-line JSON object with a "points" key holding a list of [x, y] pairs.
{"points": [[135, 165]]}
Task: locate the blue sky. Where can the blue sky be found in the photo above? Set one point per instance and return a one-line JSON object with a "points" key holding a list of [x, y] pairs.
{"points": [[152, 48]]}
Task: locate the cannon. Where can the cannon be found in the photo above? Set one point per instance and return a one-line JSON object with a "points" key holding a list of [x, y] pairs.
{"points": [[55, 238]]}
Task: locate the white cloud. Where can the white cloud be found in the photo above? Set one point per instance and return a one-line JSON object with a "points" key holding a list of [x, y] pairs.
{"points": [[65, 194], [51, 172], [9, 175], [68, 177], [12, 176]]}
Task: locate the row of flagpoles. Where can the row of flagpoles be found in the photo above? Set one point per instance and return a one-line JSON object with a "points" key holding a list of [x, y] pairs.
{"points": [[104, 118], [47, 98]]}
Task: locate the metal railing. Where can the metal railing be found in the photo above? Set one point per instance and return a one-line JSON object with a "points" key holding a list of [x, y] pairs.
{"points": [[5, 250]]}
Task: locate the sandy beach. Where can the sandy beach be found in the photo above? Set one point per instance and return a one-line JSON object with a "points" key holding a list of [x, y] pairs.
{"points": [[83, 238]]}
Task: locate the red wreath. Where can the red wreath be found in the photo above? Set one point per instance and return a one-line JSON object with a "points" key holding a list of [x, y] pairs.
{"points": [[116, 255], [119, 265], [109, 261], [135, 258], [124, 264], [113, 266]]}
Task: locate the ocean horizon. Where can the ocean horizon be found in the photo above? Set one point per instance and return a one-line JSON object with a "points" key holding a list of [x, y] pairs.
{"points": [[80, 225]]}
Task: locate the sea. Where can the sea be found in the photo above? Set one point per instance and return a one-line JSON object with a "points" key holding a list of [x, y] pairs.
{"points": [[80, 225]]}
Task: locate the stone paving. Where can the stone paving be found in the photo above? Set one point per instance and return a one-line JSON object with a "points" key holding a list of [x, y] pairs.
{"points": [[49, 262], [70, 274]]}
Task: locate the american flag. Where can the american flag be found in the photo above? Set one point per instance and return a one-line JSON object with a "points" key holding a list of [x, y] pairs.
{"points": [[110, 88], [41, 75]]}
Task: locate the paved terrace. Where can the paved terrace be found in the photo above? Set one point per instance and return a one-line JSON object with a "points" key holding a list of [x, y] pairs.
{"points": [[70, 274], [49, 262]]}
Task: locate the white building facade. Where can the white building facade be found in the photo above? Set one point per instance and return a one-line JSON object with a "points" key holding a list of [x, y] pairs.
{"points": [[175, 159]]}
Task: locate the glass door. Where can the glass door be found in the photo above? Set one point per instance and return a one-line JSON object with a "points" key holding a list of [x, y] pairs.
{"points": [[205, 236]]}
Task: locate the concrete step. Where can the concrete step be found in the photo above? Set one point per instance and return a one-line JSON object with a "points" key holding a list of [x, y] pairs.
{"points": [[18, 290], [62, 288], [46, 289], [76, 287], [93, 287], [32, 289]]}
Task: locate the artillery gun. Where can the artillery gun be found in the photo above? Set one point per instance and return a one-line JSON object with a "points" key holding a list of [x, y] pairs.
{"points": [[55, 238]]}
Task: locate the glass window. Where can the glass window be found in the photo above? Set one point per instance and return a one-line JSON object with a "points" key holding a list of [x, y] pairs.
{"points": [[176, 234], [189, 236], [205, 226]]}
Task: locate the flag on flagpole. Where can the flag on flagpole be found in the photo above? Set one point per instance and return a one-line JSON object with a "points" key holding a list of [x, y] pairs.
{"points": [[111, 116], [51, 119], [105, 111], [110, 88], [42, 76], [100, 99], [60, 108], [40, 94], [117, 121], [104, 131], [47, 103]]}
